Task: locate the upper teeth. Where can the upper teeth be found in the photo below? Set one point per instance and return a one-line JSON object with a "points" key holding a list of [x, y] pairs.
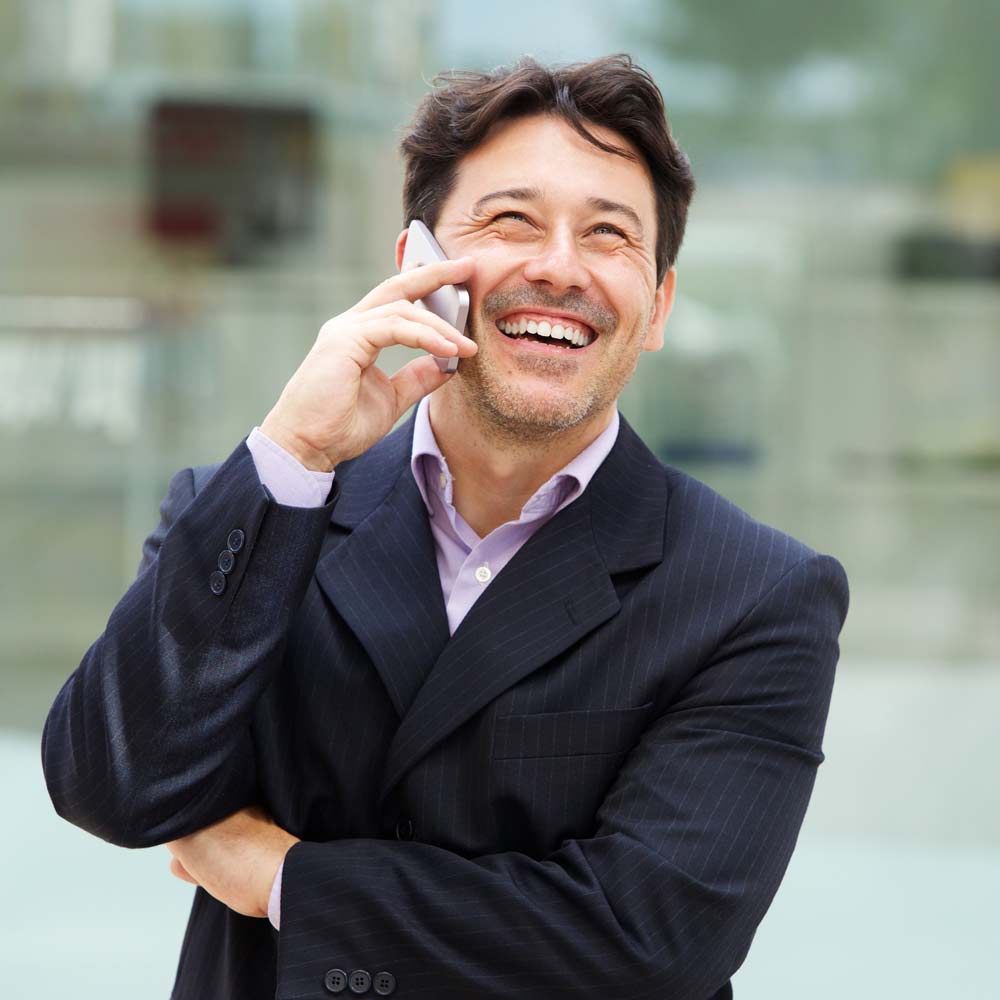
{"points": [[558, 331]]}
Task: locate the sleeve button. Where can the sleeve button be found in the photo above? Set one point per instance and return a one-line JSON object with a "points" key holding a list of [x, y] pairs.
{"points": [[335, 981], [236, 540], [385, 983], [227, 561], [360, 981], [217, 583]]}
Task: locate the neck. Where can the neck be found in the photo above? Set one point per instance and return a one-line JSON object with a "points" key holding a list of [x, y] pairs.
{"points": [[496, 473]]}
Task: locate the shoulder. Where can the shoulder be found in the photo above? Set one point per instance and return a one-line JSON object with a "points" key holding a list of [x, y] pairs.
{"points": [[698, 514], [724, 549]]}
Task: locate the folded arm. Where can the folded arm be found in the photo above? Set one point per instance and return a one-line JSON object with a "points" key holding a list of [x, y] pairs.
{"points": [[663, 899]]}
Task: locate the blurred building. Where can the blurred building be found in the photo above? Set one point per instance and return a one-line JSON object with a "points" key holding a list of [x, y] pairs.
{"points": [[135, 338], [190, 188]]}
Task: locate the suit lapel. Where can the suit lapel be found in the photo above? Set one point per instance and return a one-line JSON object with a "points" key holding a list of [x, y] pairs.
{"points": [[556, 589], [382, 575]]}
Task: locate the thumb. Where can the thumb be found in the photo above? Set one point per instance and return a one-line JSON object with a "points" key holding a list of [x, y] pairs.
{"points": [[417, 379]]}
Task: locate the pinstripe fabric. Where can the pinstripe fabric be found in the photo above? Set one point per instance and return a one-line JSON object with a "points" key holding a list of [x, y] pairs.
{"points": [[606, 767]]}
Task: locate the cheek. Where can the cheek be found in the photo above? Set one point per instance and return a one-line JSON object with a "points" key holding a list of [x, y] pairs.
{"points": [[495, 265], [629, 295]]}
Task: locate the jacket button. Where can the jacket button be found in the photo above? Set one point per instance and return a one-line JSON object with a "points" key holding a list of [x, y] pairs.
{"points": [[335, 980], [217, 583], [404, 829], [360, 982], [385, 983], [227, 561], [235, 540]]}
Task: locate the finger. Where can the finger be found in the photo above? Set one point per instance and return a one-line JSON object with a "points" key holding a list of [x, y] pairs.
{"points": [[415, 380], [390, 330], [177, 869], [417, 282], [410, 310]]}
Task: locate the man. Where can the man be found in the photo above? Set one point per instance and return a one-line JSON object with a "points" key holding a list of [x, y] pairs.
{"points": [[511, 709]]}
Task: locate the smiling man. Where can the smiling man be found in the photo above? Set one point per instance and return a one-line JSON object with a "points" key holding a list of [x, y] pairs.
{"points": [[495, 704]]}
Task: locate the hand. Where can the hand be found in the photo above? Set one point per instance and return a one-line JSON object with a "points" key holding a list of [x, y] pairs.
{"points": [[234, 860], [339, 403]]}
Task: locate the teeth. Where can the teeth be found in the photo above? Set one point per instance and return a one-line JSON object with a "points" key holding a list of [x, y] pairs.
{"points": [[543, 328]]}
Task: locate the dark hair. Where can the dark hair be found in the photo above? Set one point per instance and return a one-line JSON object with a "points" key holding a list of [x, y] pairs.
{"points": [[611, 92]]}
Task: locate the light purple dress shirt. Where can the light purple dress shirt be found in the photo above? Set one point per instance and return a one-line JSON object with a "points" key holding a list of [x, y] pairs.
{"points": [[467, 564]]}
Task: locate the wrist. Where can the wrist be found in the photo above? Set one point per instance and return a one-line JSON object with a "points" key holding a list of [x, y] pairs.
{"points": [[305, 454]]}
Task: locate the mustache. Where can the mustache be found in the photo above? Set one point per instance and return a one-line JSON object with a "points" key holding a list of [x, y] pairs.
{"points": [[505, 300]]}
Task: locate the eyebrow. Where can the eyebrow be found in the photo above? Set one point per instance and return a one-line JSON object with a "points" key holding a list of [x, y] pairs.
{"points": [[533, 194]]}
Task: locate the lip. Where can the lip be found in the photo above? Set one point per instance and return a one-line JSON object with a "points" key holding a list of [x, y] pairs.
{"points": [[553, 350], [574, 318]]}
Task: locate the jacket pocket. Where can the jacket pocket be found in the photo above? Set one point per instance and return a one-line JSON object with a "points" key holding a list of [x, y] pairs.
{"points": [[568, 734]]}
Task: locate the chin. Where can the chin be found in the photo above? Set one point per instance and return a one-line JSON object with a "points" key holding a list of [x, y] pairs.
{"points": [[540, 413]]}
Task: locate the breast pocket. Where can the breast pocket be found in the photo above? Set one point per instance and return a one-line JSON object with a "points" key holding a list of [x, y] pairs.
{"points": [[551, 772], [568, 734]]}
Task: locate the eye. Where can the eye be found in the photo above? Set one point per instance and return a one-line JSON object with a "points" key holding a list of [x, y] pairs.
{"points": [[504, 215], [611, 229]]}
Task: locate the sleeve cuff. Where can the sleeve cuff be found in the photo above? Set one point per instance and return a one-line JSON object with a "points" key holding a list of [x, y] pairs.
{"points": [[288, 480], [274, 901]]}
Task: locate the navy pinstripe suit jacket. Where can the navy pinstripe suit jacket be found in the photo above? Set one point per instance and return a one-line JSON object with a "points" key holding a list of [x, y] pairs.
{"points": [[592, 789]]}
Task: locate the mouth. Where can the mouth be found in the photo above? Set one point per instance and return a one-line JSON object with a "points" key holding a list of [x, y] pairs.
{"points": [[562, 333]]}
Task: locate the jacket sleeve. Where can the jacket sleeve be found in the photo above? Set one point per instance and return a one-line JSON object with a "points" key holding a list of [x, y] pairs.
{"points": [[662, 900], [149, 738]]}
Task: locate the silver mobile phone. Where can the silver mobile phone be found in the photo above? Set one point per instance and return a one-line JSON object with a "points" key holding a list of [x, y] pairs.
{"points": [[450, 302]]}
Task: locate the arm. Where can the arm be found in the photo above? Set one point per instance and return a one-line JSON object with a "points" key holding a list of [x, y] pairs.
{"points": [[149, 738], [689, 848]]}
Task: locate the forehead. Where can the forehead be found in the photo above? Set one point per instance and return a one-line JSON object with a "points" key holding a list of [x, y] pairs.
{"points": [[547, 153]]}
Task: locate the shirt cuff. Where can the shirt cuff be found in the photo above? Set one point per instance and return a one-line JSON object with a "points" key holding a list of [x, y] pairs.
{"points": [[274, 900], [289, 481]]}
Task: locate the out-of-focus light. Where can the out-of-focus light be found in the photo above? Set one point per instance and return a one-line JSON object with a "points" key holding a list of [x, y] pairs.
{"points": [[71, 312]]}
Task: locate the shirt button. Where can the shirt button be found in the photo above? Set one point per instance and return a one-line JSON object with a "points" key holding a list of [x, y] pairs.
{"points": [[443, 480], [484, 574]]}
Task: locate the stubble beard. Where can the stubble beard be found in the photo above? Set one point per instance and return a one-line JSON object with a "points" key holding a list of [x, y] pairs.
{"points": [[505, 415]]}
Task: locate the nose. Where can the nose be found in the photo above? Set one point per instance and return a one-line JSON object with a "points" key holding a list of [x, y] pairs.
{"points": [[558, 263]]}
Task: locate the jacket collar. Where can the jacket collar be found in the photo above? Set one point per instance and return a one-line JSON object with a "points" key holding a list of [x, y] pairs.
{"points": [[628, 493], [380, 572]]}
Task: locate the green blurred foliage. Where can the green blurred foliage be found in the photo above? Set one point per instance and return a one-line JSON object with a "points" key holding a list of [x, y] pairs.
{"points": [[924, 75]]}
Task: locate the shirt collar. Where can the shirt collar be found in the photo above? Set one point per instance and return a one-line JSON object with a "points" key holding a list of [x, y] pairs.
{"points": [[564, 487]]}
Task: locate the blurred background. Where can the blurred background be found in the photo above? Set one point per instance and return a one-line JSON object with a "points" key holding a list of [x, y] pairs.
{"points": [[189, 188]]}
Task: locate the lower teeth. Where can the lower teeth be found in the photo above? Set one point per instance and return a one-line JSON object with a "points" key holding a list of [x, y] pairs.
{"points": [[541, 340]]}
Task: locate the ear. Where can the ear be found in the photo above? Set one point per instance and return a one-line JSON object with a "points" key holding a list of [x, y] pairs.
{"points": [[663, 302], [400, 248]]}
